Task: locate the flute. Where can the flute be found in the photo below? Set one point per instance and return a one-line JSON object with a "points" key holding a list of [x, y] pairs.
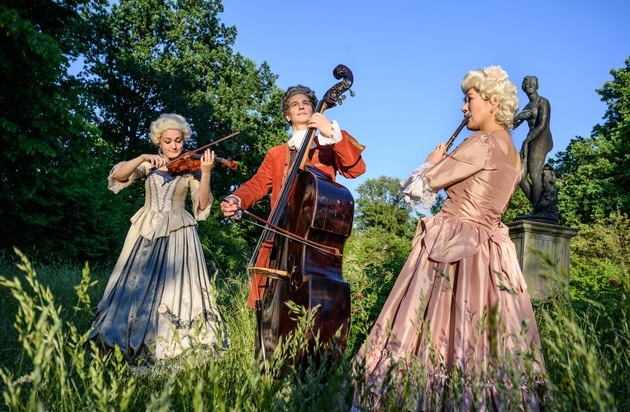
{"points": [[459, 129]]}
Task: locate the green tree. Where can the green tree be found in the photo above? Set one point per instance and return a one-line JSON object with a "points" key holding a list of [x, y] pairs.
{"points": [[519, 205], [381, 204], [593, 172], [155, 56], [376, 251], [50, 150]]}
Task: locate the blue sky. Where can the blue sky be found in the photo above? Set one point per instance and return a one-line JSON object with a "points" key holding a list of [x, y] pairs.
{"points": [[408, 59]]}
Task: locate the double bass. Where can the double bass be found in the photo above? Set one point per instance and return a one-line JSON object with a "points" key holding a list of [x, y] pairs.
{"points": [[302, 257]]}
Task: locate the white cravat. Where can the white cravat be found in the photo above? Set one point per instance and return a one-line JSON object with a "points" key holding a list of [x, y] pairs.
{"points": [[297, 137]]}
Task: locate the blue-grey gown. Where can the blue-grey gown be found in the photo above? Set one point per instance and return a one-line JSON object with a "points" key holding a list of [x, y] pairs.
{"points": [[159, 300]]}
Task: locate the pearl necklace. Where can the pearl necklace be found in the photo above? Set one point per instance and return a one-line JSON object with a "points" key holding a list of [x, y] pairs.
{"points": [[495, 130]]}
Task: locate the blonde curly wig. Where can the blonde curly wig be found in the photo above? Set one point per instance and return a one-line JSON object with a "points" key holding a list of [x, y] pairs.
{"points": [[168, 121], [492, 84]]}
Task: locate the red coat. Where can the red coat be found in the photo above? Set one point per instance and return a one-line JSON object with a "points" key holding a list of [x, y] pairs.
{"points": [[343, 157]]}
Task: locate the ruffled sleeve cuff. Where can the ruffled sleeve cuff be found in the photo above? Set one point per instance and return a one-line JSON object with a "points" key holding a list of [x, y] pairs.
{"points": [[335, 138], [417, 191], [194, 195]]}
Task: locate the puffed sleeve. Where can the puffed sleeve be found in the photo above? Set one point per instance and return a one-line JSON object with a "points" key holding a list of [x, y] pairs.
{"points": [[348, 158], [194, 195], [116, 186], [470, 157]]}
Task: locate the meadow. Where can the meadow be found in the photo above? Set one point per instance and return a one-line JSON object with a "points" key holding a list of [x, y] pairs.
{"points": [[47, 364]]}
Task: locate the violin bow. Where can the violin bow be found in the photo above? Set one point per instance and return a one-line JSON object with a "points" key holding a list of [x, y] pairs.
{"points": [[190, 152]]}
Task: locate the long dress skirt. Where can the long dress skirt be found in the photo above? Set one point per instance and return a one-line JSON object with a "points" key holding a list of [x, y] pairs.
{"points": [[159, 301], [471, 318]]}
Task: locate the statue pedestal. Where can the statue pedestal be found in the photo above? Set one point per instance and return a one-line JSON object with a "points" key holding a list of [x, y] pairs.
{"points": [[531, 237]]}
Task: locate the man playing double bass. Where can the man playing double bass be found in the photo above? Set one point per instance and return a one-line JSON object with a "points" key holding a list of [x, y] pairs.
{"points": [[332, 151]]}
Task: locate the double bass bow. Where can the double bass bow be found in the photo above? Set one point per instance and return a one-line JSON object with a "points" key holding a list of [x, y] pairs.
{"points": [[313, 207]]}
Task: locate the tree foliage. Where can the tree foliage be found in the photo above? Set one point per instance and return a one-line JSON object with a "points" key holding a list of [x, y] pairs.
{"points": [[376, 251], [155, 56], [62, 133], [381, 204], [600, 253], [50, 150], [593, 172], [519, 205]]}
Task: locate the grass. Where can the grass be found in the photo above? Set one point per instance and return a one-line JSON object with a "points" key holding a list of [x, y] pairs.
{"points": [[47, 364]]}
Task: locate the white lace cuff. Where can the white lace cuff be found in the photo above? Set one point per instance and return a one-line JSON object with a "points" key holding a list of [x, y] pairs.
{"points": [[239, 212], [417, 191], [335, 138], [194, 195]]}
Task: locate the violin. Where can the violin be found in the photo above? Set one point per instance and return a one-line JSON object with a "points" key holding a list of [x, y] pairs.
{"points": [[192, 163]]}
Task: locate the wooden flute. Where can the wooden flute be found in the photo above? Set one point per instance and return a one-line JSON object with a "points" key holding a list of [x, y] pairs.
{"points": [[459, 129]]}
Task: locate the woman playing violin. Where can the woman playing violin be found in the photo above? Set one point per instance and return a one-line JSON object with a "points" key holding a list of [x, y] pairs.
{"points": [[159, 300]]}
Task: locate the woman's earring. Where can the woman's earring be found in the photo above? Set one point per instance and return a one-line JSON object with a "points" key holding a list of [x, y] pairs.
{"points": [[492, 110]]}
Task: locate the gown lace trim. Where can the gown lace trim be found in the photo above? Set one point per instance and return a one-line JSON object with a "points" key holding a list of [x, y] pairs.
{"points": [[417, 191]]}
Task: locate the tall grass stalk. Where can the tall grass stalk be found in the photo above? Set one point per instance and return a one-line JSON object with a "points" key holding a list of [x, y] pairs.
{"points": [[48, 363], [583, 364]]}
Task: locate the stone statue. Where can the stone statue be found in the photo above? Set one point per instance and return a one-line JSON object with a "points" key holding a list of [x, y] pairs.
{"points": [[536, 146], [546, 209]]}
